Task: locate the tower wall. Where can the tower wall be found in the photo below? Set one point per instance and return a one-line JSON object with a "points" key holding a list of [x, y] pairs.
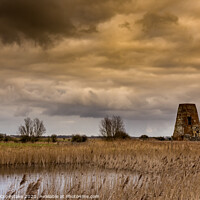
{"points": [[187, 122]]}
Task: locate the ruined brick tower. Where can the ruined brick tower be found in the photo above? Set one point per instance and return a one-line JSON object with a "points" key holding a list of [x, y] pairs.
{"points": [[187, 122]]}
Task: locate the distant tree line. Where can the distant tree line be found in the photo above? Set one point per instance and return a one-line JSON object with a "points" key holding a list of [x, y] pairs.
{"points": [[7, 138], [110, 128]]}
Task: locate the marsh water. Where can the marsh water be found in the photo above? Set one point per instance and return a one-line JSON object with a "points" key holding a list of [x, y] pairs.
{"points": [[61, 178]]}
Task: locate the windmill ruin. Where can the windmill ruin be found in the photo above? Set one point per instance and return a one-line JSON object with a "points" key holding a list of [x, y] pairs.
{"points": [[187, 123]]}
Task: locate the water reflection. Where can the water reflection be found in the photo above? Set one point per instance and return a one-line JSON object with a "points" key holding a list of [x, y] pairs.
{"points": [[62, 179]]}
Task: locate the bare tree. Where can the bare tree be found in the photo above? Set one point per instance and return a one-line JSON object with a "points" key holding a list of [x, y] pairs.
{"points": [[38, 127], [31, 129], [106, 127], [113, 128], [117, 125], [27, 129]]}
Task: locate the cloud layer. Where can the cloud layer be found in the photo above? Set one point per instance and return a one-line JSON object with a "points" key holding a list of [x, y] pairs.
{"points": [[49, 20], [64, 58]]}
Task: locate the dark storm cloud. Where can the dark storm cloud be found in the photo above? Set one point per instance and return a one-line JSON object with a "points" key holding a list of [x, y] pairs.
{"points": [[32, 20], [46, 20], [101, 111], [155, 24], [76, 110]]}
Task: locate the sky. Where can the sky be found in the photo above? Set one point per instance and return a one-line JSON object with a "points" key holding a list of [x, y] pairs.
{"points": [[72, 62]]}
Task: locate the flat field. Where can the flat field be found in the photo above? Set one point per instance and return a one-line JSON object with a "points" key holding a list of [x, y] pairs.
{"points": [[152, 169]]}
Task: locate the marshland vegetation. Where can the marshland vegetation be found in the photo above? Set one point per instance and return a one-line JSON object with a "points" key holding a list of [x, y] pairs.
{"points": [[164, 170]]}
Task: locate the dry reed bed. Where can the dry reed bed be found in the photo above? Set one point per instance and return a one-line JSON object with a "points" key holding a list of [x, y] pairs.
{"points": [[139, 156]]}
